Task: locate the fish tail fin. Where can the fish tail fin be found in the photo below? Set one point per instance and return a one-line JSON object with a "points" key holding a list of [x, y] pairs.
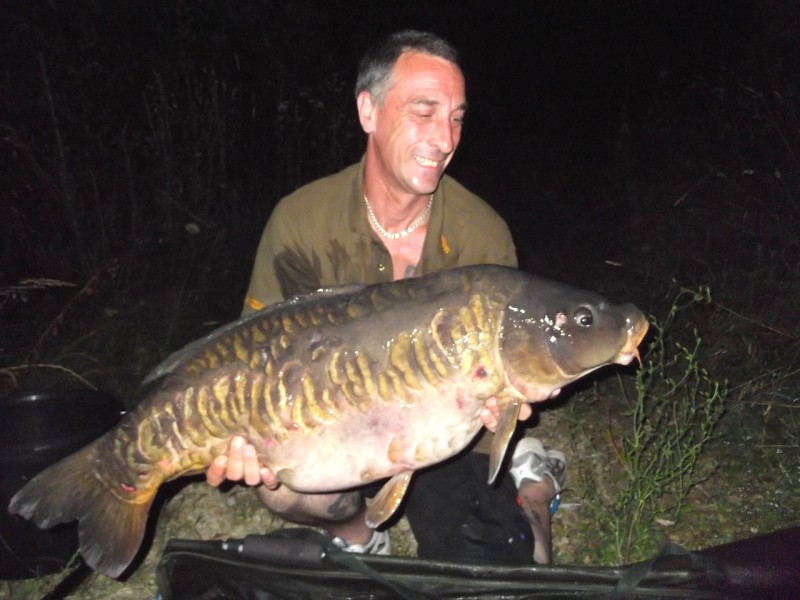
{"points": [[110, 528]]}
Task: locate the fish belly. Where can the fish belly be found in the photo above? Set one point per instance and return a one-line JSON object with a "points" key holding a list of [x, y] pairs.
{"points": [[383, 441]]}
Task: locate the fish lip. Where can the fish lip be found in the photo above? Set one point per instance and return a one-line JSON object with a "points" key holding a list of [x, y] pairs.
{"points": [[630, 350], [626, 357]]}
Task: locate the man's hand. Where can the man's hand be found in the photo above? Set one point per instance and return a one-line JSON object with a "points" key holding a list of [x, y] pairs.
{"points": [[240, 464], [490, 413]]}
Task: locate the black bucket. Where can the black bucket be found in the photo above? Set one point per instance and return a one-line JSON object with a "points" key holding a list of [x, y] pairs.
{"points": [[36, 430]]}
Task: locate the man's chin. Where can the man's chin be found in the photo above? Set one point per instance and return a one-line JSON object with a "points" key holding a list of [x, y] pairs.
{"points": [[425, 186]]}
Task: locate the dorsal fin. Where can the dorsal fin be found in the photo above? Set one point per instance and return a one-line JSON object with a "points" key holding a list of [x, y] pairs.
{"points": [[183, 356]]}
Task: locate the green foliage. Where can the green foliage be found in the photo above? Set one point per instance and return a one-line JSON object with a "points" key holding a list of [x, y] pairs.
{"points": [[673, 411]]}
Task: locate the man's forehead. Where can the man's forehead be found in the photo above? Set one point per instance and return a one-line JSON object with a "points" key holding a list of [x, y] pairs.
{"points": [[424, 100], [428, 79]]}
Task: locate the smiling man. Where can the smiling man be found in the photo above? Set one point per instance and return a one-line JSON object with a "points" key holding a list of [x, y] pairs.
{"points": [[395, 214]]}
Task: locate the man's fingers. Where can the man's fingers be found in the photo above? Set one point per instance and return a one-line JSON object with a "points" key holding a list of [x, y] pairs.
{"points": [[269, 479], [490, 413], [215, 474], [235, 467], [489, 419], [250, 467], [240, 464]]}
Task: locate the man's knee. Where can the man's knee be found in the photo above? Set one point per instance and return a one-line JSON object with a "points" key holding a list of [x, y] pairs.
{"points": [[311, 509]]}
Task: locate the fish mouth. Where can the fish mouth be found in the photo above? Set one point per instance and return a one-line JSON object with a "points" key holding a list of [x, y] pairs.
{"points": [[630, 350], [626, 357]]}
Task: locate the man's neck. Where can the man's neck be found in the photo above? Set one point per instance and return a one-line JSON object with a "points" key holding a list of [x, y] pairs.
{"points": [[394, 209]]}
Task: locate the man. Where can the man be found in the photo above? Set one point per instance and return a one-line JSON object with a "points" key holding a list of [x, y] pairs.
{"points": [[394, 215]]}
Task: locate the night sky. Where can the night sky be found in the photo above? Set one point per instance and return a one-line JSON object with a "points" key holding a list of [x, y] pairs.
{"points": [[568, 100]]}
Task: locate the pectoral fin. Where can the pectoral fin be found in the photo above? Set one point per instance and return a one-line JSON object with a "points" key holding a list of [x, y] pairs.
{"points": [[386, 501], [509, 414]]}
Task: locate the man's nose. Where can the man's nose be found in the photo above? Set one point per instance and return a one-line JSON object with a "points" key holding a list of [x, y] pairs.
{"points": [[442, 136]]}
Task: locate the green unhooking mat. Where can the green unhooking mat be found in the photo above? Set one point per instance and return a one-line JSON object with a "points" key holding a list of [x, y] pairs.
{"points": [[300, 563]]}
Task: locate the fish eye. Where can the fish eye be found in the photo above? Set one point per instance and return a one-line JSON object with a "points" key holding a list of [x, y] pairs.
{"points": [[583, 317]]}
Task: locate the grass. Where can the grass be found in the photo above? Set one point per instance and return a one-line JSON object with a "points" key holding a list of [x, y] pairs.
{"points": [[670, 453]]}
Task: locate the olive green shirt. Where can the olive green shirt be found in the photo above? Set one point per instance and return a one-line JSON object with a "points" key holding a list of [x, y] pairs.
{"points": [[319, 237]]}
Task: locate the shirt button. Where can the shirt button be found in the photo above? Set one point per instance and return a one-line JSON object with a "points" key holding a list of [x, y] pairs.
{"points": [[381, 267]]}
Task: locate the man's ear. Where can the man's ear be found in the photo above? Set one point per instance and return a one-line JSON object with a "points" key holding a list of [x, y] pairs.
{"points": [[366, 111]]}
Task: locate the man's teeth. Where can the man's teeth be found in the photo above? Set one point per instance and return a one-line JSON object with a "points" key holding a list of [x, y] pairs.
{"points": [[426, 162]]}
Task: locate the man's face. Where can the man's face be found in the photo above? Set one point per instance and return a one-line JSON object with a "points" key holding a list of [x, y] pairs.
{"points": [[417, 128]]}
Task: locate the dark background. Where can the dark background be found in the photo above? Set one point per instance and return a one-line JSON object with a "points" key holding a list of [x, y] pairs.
{"points": [[143, 145], [641, 149]]}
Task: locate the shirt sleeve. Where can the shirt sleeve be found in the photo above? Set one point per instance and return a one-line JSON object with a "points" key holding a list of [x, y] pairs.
{"points": [[502, 251], [492, 245], [282, 267]]}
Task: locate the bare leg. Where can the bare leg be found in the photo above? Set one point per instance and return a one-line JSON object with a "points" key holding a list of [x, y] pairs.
{"points": [[535, 497], [341, 514]]}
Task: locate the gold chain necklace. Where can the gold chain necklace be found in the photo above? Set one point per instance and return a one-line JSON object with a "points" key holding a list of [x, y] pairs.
{"points": [[400, 234]]}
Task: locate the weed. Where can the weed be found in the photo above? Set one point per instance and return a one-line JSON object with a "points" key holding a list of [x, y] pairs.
{"points": [[660, 449]]}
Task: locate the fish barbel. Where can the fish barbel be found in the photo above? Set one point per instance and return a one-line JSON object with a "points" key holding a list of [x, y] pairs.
{"points": [[338, 389]]}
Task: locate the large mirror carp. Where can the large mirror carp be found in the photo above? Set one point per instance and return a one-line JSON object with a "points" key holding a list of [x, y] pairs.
{"points": [[336, 390]]}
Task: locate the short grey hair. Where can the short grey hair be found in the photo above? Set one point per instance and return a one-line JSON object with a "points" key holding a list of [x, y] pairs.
{"points": [[375, 68]]}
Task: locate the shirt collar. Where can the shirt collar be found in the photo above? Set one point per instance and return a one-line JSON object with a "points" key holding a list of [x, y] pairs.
{"points": [[357, 215]]}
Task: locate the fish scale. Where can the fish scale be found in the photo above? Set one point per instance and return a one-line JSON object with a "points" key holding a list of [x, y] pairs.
{"points": [[338, 389], [351, 375]]}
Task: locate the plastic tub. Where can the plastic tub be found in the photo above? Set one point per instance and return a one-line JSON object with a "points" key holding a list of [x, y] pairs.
{"points": [[36, 430]]}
